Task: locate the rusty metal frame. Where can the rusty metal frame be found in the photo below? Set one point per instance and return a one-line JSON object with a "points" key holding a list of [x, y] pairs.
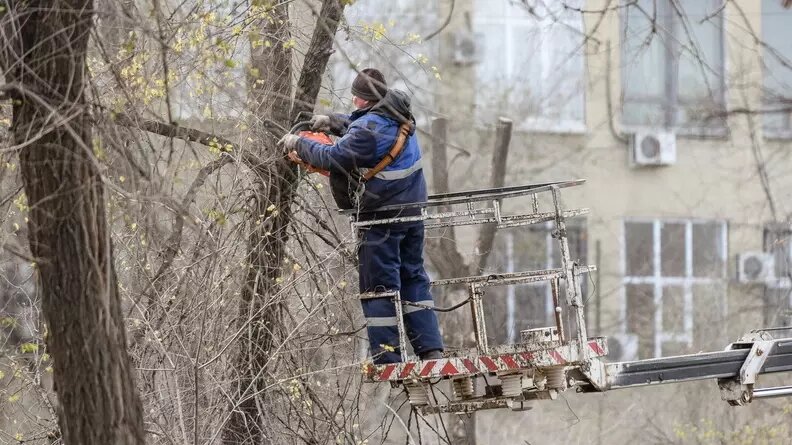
{"points": [[554, 288], [470, 218], [572, 362], [400, 326], [573, 290], [471, 215], [510, 278], [476, 284], [549, 356], [471, 196], [479, 324]]}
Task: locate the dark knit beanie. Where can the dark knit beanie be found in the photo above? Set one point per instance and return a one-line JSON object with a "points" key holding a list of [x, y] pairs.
{"points": [[370, 85]]}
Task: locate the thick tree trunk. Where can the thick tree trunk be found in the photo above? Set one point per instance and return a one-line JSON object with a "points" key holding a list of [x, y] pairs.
{"points": [[260, 309], [69, 237], [317, 56]]}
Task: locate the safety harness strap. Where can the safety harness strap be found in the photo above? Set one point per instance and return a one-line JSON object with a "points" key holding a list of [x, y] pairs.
{"points": [[395, 150]]}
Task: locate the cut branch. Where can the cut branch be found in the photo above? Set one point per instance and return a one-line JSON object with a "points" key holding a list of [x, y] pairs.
{"points": [[442, 250], [499, 156]]}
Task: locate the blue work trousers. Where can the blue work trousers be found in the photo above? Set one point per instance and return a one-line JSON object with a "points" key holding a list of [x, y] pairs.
{"points": [[391, 258]]}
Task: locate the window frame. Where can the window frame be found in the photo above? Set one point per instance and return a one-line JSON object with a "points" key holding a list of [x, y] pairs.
{"points": [[539, 123], [578, 224], [671, 81], [659, 282], [774, 231], [771, 133], [512, 336], [771, 233]]}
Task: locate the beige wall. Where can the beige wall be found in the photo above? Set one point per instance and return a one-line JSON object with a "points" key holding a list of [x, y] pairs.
{"points": [[713, 178]]}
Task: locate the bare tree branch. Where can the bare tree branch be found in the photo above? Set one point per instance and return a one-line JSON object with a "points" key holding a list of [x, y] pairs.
{"points": [[444, 24]]}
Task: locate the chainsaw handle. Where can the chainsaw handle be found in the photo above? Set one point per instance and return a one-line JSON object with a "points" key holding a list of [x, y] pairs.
{"points": [[300, 126]]}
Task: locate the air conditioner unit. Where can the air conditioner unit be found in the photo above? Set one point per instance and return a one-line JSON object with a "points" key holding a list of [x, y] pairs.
{"points": [[467, 47], [653, 148], [755, 267], [622, 348]]}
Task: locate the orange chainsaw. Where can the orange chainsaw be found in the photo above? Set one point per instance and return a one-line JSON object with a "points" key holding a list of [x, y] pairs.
{"points": [[303, 129]]}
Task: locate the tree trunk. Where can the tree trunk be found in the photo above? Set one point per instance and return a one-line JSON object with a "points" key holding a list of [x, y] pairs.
{"points": [[260, 311], [499, 155], [45, 58]]}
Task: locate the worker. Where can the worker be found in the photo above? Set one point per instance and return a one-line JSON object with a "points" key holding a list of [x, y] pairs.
{"points": [[390, 255]]}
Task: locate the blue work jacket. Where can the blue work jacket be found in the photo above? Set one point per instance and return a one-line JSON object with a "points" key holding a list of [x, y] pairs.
{"points": [[366, 137]]}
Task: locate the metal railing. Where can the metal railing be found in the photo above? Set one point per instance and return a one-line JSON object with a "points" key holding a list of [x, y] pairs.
{"points": [[436, 209]]}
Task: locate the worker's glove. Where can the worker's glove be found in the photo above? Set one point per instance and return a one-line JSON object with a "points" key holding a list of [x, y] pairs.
{"points": [[320, 122], [334, 124], [289, 142]]}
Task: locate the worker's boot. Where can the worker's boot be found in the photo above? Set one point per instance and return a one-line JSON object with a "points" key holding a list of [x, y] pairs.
{"points": [[434, 354]]}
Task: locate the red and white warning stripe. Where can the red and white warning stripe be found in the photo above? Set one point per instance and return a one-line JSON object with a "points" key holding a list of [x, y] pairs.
{"points": [[463, 366]]}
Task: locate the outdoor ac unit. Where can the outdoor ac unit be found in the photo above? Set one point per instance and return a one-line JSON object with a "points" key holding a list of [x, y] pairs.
{"points": [[650, 148], [622, 347], [755, 267], [467, 47]]}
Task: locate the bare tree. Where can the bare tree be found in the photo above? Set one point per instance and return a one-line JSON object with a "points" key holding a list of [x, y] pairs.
{"points": [[44, 62], [261, 307]]}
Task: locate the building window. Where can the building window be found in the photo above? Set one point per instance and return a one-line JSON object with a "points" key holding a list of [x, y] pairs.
{"points": [[777, 65], [778, 290], [511, 309], [531, 64], [674, 284], [673, 65]]}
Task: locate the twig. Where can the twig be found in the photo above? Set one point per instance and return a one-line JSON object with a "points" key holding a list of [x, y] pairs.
{"points": [[445, 23], [11, 196], [406, 430]]}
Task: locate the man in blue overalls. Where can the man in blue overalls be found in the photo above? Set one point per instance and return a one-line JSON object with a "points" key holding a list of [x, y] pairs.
{"points": [[390, 255]]}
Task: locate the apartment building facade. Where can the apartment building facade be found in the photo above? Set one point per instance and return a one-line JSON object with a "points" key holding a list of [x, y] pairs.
{"points": [[677, 113]]}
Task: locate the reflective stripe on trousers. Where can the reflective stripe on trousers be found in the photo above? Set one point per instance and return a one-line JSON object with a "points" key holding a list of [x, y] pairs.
{"points": [[391, 321]]}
